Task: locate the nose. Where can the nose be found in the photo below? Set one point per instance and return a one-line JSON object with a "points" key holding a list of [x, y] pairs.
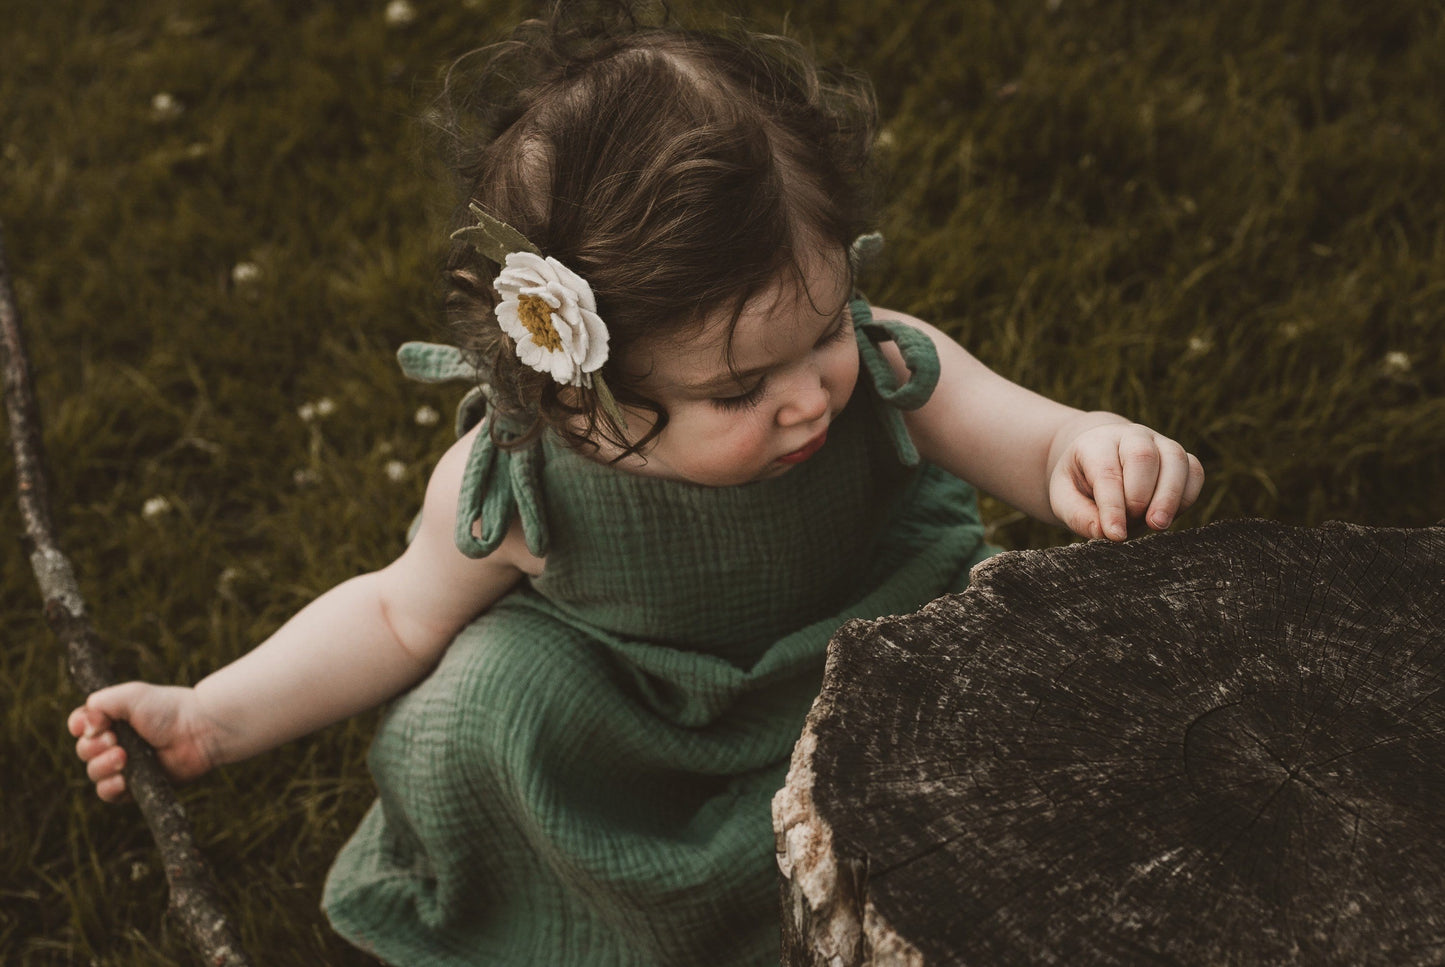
{"points": [[805, 399]]}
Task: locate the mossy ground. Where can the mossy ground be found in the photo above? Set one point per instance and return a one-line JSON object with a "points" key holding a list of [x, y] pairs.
{"points": [[1223, 218]]}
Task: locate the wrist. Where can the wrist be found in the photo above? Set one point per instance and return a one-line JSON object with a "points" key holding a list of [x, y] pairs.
{"points": [[207, 715]]}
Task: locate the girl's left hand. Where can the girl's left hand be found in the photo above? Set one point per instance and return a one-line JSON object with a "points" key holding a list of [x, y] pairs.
{"points": [[1112, 474]]}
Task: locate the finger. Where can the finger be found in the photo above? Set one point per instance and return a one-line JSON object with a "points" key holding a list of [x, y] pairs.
{"points": [[1106, 481], [111, 789], [107, 764], [90, 746], [86, 722], [1169, 489], [1140, 462], [116, 702], [1074, 509], [97, 721], [75, 722], [1195, 483]]}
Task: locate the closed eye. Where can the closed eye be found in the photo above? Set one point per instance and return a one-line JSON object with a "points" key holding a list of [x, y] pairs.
{"points": [[752, 397], [742, 401], [839, 331]]}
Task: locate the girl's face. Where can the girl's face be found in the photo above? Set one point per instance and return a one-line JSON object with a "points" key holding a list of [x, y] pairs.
{"points": [[793, 368]]}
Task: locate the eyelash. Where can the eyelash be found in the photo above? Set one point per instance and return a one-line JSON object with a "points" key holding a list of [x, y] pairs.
{"points": [[743, 401], [754, 396]]}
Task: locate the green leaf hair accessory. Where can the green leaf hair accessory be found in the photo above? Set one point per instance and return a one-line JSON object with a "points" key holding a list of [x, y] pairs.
{"points": [[608, 402], [492, 237], [547, 309]]}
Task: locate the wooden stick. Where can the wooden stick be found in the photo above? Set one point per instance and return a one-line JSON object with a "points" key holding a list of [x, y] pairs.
{"points": [[193, 892]]}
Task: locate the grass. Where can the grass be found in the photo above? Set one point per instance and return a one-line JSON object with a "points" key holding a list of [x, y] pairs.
{"points": [[1223, 219]]}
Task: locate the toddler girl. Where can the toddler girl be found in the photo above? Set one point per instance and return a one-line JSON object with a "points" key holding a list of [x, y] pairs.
{"points": [[693, 452]]}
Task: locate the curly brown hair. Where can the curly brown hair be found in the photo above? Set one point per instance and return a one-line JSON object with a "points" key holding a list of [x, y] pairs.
{"points": [[679, 172]]}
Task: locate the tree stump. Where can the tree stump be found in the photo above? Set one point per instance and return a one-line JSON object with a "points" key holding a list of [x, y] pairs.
{"points": [[1221, 746]]}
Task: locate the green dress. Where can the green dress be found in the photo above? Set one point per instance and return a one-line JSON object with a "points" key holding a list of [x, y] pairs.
{"points": [[586, 776]]}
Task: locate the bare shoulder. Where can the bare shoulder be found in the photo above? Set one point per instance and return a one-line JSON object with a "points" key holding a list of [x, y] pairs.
{"points": [[432, 590], [893, 315]]}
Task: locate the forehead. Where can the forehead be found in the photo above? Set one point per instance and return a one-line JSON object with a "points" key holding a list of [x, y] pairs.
{"points": [[794, 307]]}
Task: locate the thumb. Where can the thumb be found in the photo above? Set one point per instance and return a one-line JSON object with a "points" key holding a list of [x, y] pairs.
{"points": [[1076, 511], [115, 702]]}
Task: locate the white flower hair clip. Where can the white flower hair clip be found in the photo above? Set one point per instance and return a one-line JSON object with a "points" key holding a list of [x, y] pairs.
{"points": [[547, 309]]}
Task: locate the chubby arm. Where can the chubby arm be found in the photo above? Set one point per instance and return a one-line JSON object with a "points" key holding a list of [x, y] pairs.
{"points": [[1093, 472], [362, 642]]}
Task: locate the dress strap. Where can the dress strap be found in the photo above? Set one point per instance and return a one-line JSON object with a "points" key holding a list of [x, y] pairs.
{"points": [[498, 480], [864, 251], [919, 355], [430, 362]]}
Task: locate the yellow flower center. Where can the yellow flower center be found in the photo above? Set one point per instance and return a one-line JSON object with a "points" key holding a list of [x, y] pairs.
{"points": [[536, 316]]}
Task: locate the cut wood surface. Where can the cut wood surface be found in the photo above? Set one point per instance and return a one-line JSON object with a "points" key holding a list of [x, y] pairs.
{"points": [[1220, 746]]}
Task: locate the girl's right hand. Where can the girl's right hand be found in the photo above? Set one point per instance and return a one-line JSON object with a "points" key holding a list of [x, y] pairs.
{"points": [[165, 716]]}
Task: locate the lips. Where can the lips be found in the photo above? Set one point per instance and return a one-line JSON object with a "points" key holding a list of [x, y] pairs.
{"points": [[806, 450]]}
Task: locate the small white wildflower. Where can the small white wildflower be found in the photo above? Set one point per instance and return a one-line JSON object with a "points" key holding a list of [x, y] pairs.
{"points": [[885, 139], [316, 409], [245, 273], [1200, 345], [304, 476], [164, 107], [426, 416], [155, 507], [1397, 363], [399, 13], [226, 583], [395, 471]]}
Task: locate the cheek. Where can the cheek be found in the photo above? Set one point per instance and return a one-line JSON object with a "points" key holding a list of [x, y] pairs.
{"points": [[720, 450], [731, 442], [843, 375]]}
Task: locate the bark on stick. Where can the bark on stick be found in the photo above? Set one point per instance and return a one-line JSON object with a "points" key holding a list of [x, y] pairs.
{"points": [[193, 894]]}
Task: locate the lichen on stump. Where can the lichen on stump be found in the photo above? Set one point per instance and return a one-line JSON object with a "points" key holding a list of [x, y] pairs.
{"points": [[1224, 745]]}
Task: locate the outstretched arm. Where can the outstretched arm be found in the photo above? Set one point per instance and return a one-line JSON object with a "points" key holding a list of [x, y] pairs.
{"points": [[1093, 472], [354, 647]]}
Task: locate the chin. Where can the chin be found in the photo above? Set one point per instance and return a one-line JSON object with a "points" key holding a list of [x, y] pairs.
{"points": [[772, 470]]}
